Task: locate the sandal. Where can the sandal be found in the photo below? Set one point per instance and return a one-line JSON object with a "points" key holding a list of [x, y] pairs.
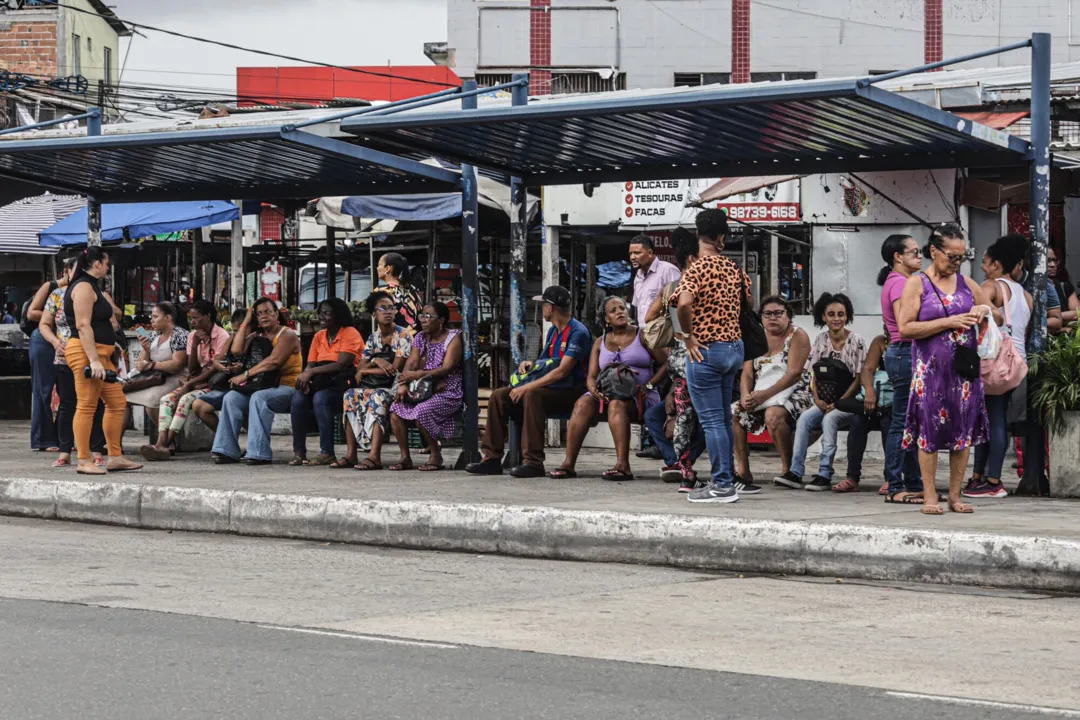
{"points": [[100, 461], [884, 489], [847, 486], [617, 475], [401, 466], [62, 462], [908, 499], [367, 464], [342, 464], [297, 461], [962, 508], [321, 460], [431, 468], [562, 474], [932, 510]]}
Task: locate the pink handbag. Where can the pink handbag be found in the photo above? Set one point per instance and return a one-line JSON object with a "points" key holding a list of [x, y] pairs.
{"points": [[1006, 371]]}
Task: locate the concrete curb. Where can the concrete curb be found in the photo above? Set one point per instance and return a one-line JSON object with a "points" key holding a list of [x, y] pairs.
{"points": [[699, 542]]}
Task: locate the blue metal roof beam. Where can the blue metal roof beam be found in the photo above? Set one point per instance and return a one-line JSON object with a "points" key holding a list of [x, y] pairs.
{"points": [[250, 162], [734, 130]]}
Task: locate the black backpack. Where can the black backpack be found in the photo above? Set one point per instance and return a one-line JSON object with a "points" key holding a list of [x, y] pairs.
{"points": [[617, 381]]}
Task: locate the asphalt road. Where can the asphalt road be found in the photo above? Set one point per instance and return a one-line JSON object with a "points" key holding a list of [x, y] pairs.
{"points": [[108, 623]]}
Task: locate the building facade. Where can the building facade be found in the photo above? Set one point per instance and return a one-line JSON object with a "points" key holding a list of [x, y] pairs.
{"points": [[590, 45]]}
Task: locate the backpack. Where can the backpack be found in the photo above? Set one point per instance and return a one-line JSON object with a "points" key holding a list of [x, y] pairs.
{"points": [[543, 366], [617, 381], [831, 379], [259, 349]]}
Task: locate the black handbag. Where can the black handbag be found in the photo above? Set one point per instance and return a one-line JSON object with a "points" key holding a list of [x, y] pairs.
{"points": [[420, 390], [259, 349], [755, 344], [832, 378], [381, 381], [966, 360], [341, 382]]}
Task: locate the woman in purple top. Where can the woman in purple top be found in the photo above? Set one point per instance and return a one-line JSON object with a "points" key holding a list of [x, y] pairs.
{"points": [[620, 344], [940, 310], [436, 353], [903, 258]]}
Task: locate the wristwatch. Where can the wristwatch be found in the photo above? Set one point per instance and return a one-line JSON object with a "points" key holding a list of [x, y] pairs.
{"points": [[649, 386]]}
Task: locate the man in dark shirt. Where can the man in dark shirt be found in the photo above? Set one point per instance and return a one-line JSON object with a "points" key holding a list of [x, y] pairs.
{"points": [[551, 388]]}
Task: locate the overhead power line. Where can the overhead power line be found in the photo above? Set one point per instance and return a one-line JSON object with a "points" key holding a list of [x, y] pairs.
{"points": [[266, 53]]}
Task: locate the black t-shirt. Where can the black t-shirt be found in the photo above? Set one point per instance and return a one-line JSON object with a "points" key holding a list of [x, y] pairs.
{"points": [[100, 317]]}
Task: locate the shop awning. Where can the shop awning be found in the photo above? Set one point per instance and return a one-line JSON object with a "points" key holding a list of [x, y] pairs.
{"points": [[137, 220], [735, 186], [21, 221], [995, 120], [717, 131]]}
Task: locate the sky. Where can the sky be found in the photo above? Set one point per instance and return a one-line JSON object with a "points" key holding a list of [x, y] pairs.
{"points": [[342, 32]]}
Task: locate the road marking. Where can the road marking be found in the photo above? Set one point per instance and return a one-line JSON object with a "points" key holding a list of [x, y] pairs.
{"points": [[1058, 712], [371, 638]]}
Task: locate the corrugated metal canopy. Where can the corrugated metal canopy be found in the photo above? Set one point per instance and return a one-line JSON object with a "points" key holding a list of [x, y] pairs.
{"points": [[243, 162], [717, 131]]}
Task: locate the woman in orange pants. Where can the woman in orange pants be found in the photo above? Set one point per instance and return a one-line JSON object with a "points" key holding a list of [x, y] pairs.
{"points": [[91, 347]]}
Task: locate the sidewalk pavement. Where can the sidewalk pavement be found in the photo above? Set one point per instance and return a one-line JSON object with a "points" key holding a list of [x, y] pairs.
{"points": [[1012, 542]]}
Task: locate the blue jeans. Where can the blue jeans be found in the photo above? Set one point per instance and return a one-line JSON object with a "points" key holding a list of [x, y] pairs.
{"points": [[901, 468], [214, 398], [263, 406], [655, 417], [42, 379], [711, 382], [321, 408], [997, 407], [830, 425]]}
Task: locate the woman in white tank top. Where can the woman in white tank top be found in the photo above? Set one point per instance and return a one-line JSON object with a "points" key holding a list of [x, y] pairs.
{"points": [[1000, 261]]}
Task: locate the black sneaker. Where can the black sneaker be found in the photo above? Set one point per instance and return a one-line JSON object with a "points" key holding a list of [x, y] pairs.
{"points": [[651, 453], [818, 484], [485, 467], [688, 484], [223, 459], [745, 488], [788, 480]]}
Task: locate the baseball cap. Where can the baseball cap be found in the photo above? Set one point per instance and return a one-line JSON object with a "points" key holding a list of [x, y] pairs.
{"points": [[555, 295]]}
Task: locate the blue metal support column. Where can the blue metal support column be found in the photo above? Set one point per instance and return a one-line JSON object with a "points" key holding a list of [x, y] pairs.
{"points": [[470, 296], [1034, 481], [519, 228], [93, 205]]}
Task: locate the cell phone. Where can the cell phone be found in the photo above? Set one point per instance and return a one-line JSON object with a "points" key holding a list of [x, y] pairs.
{"points": [[142, 332]]}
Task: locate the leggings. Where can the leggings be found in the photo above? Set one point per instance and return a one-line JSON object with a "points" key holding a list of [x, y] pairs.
{"points": [[65, 415], [89, 391], [175, 409]]}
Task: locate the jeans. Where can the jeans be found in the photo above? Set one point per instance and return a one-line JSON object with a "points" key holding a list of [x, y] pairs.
{"points": [[997, 406], [830, 425], [711, 382], [42, 380], [901, 468], [320, 407], [655, 418], [65, 414], [859, 429], [260, 408], [214, 399]]}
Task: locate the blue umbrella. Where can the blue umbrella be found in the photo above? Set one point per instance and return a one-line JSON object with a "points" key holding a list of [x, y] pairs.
{"points": [[140, 220]]}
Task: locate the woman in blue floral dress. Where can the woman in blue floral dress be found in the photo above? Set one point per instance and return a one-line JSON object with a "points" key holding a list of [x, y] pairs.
{"points": [[940, 311], [367, 407]]}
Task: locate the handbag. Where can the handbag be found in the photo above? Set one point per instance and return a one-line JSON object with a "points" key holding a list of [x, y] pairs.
{"points": [[660, 333], [1008, 368], [768, 376], [341, 382], [420, 390], [375, 382], [832, 378], [966, 360], [142, 381], [260, 348], [755, 344], [883, 389]]}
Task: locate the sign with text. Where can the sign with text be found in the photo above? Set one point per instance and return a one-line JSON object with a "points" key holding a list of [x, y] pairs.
{"points": [[664, 202], [654, 202], [772, 204]]}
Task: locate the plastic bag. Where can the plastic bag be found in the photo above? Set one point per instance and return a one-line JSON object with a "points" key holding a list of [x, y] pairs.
{"points": [[990, 342]]}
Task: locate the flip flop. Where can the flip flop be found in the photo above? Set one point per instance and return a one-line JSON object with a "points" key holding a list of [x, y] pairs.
{"points": [[367, 464], [60, 462], [297, 461], [847, 485], [962, 508], [154, 454], [932, 510], [321, 461], [884, 489], [906, 500], [431, 468], [399, 467], [562, 474], [617, 475], [342, 464]]}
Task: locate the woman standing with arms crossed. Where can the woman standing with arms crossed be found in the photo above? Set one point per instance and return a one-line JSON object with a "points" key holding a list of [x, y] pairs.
{"points": [[709, 300], [939, 311], [91, 347]]}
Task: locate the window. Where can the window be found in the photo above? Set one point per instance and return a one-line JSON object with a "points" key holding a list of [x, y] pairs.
{"points": [[76, 55], [90, 46], [108, 66], [689, 79], [564, 82]]}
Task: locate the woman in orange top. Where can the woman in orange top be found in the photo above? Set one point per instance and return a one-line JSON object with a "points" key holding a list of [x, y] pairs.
{"points": [[320, 389]]}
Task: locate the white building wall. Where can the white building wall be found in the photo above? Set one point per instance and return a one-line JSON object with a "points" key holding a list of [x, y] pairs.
{"points": [[94, 36], [834, 38]]}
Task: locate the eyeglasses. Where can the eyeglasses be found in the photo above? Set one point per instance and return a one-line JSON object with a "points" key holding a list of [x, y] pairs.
{"points": [[955, 259], [773, 314], [427, 316], [914, 252], [385, 309]]}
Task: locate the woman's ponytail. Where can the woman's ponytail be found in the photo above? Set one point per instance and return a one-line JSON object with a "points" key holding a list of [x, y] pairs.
{"points": [[893, 244]]}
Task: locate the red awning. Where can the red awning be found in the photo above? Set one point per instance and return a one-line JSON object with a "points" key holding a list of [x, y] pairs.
{"points": [[995, 120], [736, 185]]}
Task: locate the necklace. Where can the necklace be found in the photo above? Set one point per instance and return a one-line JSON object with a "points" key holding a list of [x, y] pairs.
{"points": [[619, 346]]}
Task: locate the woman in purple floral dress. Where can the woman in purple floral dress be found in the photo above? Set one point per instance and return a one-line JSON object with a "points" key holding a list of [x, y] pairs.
{"points": [[940, 311], [436, 353]]}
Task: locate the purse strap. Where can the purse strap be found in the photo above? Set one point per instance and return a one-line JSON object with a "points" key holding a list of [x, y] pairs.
{"points": [[941, 298], [1005, 305]]}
